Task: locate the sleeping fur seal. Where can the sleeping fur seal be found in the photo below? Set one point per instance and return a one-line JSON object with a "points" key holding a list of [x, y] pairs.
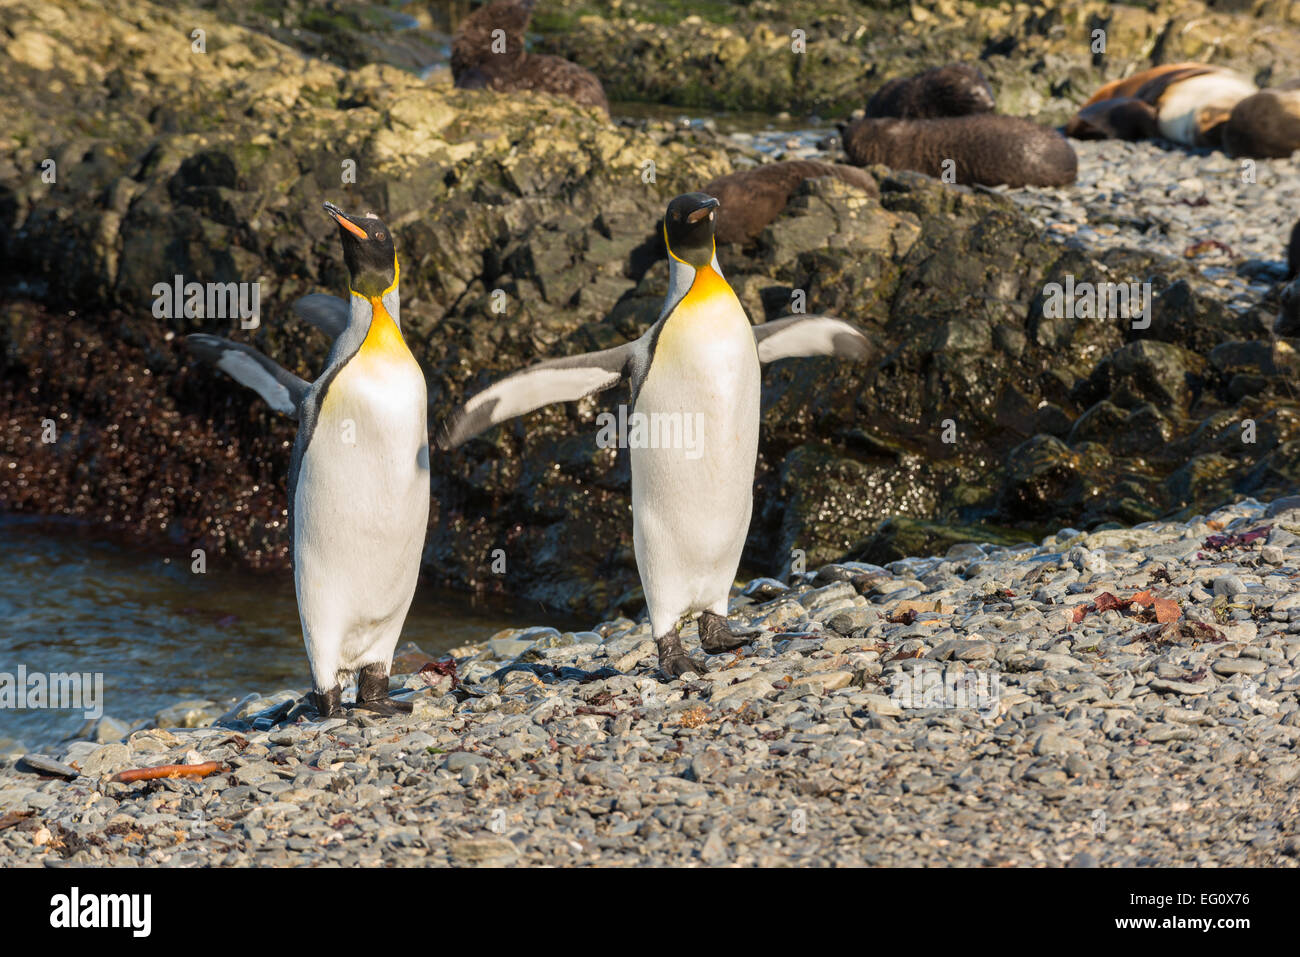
{"points": [[957, 89], [474, 66], [1264, 125], [987, 149], [1122, 118], [1191, 101], [752, 198]]}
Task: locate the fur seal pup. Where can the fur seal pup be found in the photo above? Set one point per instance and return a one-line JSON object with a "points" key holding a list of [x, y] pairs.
{"points": [[957, 89], [475, 65], [752, 198], [698, 365], [1265, 125], [1123, 118], [986, 149]]}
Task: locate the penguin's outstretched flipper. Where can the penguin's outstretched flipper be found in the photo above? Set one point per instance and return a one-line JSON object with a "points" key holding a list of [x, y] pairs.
{"points": [[327, 313], [810, 336], [556, 380], [282, 390]]}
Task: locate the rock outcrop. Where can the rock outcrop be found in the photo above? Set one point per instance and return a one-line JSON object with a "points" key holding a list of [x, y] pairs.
{"points": [[527, 229]]}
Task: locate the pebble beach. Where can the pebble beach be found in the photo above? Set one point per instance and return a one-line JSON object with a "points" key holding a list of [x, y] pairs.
{"points": [[1038, 600], [1121, 697]]}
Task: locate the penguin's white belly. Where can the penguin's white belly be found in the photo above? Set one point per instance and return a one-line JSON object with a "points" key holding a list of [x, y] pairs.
{"points": [[360, 512], [691, 500]]}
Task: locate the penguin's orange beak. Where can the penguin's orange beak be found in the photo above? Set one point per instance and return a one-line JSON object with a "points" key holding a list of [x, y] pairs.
{"points": [[341, 218]]}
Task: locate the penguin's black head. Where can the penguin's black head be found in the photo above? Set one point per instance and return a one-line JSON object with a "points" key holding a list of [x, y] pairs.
{"points": [[688, 228], [368, 250]]}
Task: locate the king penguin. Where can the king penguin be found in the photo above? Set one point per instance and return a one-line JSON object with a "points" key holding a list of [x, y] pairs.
{"points": [[699, 362], [359, 473]]}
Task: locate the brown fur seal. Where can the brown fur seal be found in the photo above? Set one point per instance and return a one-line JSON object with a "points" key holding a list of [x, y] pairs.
{"points": [[1146, 84], [752, 198], [1265, 125], [475, 66], [1122, 118], [958, 89], [1192, 102], [988, 149]]}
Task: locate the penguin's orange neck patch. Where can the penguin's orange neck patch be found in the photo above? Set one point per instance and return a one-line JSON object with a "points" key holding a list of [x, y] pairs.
{"points": [[707, 314], [707, 284], [383, 339]]}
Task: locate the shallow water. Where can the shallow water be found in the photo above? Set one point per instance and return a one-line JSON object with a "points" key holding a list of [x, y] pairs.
{"points": [[71, 601], [725, 122]]}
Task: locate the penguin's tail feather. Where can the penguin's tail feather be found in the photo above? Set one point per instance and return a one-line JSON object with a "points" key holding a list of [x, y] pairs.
{"points": [[281, 389]]}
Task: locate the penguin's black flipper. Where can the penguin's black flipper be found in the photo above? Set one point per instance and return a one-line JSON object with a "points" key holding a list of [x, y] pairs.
{"points": [[282, 390], [557, 380], [810, 336], [327, 313]]}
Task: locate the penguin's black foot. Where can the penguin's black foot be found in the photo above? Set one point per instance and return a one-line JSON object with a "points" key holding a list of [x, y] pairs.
{"points": [[328, 704], [673, 659], [372, 693], [387, 706], [716, 635]]}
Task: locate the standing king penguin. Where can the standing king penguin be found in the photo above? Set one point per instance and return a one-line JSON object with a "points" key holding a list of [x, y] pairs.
{"points": [[690, 506], [359, 475]]}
